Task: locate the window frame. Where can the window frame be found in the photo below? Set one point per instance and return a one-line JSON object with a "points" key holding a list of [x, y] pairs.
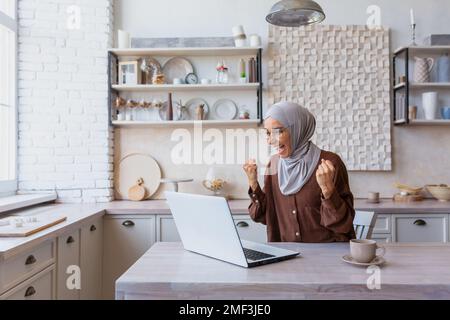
{"points": [[9, 187]]}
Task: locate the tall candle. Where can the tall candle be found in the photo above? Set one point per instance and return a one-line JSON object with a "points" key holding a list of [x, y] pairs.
{"points": [[412, 17]]}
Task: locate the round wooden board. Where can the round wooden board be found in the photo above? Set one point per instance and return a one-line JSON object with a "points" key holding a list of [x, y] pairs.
{"points": [[131, 168]]}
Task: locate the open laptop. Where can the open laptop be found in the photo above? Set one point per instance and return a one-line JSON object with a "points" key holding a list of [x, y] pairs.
{"points": [[206, 226]]}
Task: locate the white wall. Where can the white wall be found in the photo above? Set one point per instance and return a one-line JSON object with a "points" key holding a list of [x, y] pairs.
{"points": [[64, 140], [420, 155]]}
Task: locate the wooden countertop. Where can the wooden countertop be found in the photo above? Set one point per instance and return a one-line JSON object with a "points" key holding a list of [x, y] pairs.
{"points": [[241, 206], [167, 271]]}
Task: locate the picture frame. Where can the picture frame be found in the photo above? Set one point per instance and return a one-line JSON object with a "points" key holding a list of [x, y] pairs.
{"points": [[129, 73]]}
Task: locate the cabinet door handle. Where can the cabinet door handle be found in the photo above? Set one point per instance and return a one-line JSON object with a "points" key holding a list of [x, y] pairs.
{"points": [[30, 260], [128, 223], [30, 291], [93, 228], [70, 239], [420, 222], [242, 224]]}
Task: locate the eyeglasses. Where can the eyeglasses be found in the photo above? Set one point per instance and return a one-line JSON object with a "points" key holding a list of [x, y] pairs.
{"points": [[275, 132]]}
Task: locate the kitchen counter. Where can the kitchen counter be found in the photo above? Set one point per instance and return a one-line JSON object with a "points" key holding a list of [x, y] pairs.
{"points": [[78, 213], [241, 206], [167, 271]]}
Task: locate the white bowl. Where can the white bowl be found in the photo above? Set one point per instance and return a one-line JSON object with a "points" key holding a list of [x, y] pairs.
{"points": [[440, 192]]}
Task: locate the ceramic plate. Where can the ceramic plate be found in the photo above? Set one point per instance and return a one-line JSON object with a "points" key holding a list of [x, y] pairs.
{"points": [[135, 166], [375, 262], [225, 109], [177, 68], [192, 104]]}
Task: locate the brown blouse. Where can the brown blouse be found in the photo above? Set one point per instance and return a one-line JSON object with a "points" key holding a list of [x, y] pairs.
{"points": [[305, 216]]}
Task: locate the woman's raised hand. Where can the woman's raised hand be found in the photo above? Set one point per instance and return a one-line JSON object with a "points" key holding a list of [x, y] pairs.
{"points": [[325, 177], [251, 170]]}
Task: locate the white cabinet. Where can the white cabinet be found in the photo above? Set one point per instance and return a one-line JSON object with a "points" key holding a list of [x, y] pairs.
{"points": [[166, 230], [91, 256], [250, 230], [126, 239], [18, 268], [420, 228], [382, 224], [381, 237], [39, 287], [68, 256]]}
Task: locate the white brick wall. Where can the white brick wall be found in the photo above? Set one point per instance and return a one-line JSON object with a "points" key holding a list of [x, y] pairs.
{"points": [[65, 143]]}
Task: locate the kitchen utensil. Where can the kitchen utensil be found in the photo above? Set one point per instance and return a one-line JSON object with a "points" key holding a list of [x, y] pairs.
{"points": [[422, 69], [177, 68], [445, 113], [192, 107], [225, 109], [138, 191], [443, 68], [132, 167], [182, 111], [440, 192], [375, 262], [430, 104], [19, 226]]}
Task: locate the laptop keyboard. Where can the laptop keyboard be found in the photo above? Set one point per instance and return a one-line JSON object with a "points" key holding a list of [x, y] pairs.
{"points": [[256, 255]]}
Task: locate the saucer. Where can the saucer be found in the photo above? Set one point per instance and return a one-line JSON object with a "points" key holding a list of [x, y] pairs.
{"points": [[375, 262]]}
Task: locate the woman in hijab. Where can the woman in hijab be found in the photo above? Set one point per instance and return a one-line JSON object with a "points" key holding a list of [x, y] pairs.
{"points": [[306, 196]]}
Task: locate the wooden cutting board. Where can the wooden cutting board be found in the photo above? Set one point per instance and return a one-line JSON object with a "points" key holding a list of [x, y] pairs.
{"points": [[408, 198], [43, 221]]}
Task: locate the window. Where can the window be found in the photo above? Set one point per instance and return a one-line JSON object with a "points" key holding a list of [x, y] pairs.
{"points": [[8, 96]]}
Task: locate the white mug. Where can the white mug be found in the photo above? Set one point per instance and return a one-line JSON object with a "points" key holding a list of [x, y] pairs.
{"points": [[177, 81], [205, 81], [364, 251], [430, 104]]}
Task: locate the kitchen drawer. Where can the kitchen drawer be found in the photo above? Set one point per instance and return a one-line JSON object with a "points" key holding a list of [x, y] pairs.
{"points": [[68, 255], [18, 268], [39, 287], [382, 224], [420, 228], [381, 237], [166, 229], [250, 230]]}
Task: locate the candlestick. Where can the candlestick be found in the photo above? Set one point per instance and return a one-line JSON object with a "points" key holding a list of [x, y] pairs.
{"points": [[412, 16], [413, 35]]}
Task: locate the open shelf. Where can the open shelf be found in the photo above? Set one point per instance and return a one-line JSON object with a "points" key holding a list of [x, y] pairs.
{"points": [[423, 122], [204, 51], [169, 124], [186, 87], [423, 49], [430, 85]]}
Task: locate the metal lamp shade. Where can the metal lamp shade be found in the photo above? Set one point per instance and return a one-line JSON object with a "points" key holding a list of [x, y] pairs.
{"points": [[294, 13]]}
